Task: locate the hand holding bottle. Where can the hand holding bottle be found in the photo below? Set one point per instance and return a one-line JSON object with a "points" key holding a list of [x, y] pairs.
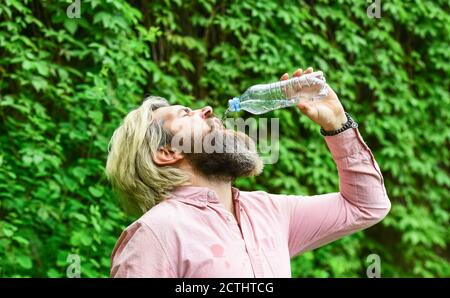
{"points": [[327, 112]]}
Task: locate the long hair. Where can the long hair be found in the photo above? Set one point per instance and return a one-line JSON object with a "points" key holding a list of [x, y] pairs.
{"points": [[140, 183]]}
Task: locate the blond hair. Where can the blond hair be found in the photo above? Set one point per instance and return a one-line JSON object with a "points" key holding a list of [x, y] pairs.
{"points": [[140, 183]]}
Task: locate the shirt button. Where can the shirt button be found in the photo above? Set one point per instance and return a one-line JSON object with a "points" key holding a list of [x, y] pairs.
{"points": [[210, 195]]}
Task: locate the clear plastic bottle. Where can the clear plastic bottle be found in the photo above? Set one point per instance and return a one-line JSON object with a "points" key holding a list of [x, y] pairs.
{"points": [[262, 98]]}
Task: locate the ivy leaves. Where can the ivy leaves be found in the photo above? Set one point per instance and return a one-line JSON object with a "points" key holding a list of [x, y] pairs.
{"points": [[65, 84]]}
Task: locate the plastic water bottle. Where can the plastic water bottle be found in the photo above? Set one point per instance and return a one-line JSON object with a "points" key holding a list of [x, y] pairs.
{"points": [[262, 98]]}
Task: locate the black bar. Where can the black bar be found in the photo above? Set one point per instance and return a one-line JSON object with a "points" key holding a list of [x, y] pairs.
{"points": [[128, 288]]}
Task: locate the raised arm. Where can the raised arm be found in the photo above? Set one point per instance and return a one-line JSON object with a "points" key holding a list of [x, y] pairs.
{"points": [[361, 201]]}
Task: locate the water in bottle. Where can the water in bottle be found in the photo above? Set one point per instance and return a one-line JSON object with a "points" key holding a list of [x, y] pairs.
{"points": [[262, 98]]}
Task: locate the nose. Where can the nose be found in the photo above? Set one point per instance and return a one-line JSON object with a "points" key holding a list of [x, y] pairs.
{"points": [[206, 112]]}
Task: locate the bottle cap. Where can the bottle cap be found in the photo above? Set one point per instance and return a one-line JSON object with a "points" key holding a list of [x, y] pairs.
{"points": [[235, 104]]}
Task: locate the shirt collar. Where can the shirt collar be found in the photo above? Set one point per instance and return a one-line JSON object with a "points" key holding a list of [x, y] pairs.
{"points": [[199, 196]]}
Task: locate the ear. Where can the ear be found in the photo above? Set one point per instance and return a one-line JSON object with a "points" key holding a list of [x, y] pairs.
{"points": [[166, 156]]}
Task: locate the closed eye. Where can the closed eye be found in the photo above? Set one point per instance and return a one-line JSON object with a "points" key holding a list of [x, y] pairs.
{"points": [[186, 112]]}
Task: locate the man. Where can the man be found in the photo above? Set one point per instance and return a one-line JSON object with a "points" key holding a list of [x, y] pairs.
{"points": [[195, 224]]}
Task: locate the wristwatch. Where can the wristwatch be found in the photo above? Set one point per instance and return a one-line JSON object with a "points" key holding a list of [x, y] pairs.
{"points": [[349, 124]]}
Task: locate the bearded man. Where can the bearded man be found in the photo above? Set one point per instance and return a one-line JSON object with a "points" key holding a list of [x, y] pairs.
{"points": [[195, 224]]}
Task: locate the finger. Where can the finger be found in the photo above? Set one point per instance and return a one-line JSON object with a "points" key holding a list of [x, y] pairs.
{"points": [[305, 108], [284, 77], [298, 72], [309, 70]]}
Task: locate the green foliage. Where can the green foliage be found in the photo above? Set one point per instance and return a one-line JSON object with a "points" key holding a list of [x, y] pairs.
{"points": [[65, 84]]}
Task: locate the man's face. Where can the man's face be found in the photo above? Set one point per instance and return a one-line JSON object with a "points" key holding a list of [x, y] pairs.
{"points": [[180, 120], [233, 154]]}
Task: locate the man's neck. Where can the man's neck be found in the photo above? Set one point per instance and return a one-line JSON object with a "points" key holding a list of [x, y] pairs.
{"points": [[220, 187]]}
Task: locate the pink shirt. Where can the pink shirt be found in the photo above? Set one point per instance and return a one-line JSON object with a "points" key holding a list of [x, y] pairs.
{"points": [[191, 234]]}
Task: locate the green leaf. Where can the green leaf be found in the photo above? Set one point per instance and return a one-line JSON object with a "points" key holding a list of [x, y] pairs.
{"points": [[24, 261], [71, 25], [96, 191]]}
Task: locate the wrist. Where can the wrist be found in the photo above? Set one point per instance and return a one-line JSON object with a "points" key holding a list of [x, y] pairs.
{"points": [[349, 123], [337, 124]]}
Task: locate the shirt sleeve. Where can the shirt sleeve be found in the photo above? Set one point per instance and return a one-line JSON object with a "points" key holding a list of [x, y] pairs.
{"points": [[139, 253], [361, 202]]}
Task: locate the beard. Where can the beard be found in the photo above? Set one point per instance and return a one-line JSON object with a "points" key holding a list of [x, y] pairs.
{"points": [[225, 155]]}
